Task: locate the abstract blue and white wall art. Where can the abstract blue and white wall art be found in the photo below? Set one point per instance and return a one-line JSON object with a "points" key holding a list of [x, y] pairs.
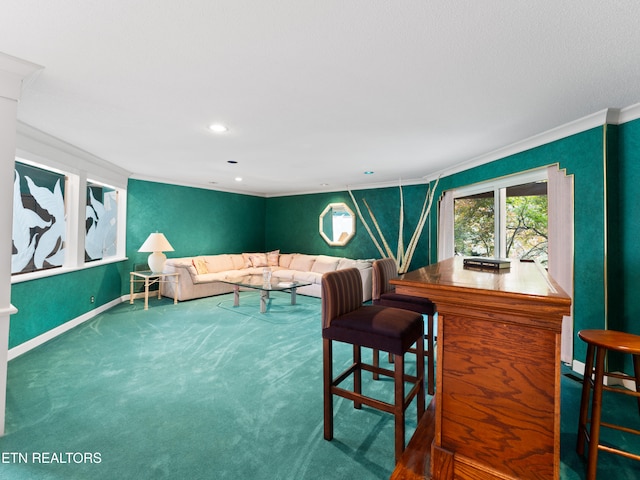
{"points": [[39, 225]]}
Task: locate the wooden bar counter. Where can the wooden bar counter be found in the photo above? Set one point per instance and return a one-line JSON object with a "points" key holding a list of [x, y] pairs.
{"points": [[497, 403]]}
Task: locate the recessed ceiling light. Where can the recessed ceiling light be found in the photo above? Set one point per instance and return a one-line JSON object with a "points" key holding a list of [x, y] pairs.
{"points": [[369, 172], [218, 128], [232, 161], [238, 179]]}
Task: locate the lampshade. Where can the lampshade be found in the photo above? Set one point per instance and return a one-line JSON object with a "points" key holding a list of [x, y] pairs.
{"points": [[156, 243]]}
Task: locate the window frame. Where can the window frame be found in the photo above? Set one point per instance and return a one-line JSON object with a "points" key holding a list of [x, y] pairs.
{"points": [[498, 186]]}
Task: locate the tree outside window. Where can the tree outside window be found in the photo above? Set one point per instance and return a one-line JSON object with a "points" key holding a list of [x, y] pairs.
{"points": [[518, 215]]}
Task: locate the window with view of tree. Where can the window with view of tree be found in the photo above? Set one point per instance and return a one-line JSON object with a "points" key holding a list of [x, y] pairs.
{"points": [[516, 215], [474, 225]]}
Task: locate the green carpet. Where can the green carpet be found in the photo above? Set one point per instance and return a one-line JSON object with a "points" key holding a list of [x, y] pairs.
{"points": [[198, 390], [205, 390]]}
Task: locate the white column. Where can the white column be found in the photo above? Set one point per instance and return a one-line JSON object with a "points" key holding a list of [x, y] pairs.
{"points": [[12, 72]]}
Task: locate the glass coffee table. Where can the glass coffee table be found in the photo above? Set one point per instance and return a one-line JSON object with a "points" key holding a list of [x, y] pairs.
{"points": [[258, 282]]}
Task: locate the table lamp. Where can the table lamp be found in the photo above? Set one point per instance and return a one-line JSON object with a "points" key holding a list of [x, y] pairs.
{"points": [[156, 243]]}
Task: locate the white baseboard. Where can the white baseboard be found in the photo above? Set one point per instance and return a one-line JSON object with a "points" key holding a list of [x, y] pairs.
{"points": [[578, 367], [54, 332]]}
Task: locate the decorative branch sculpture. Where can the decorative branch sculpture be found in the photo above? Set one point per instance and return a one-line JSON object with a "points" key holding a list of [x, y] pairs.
{"points": [[403, 256]]}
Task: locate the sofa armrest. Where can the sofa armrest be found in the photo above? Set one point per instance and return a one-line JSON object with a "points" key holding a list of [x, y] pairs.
{"points": [[184, 283]]}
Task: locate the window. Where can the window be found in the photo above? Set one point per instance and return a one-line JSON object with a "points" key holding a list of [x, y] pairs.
{"points": [[526, 235], [507, 218], [39, 219], [474, 225]]}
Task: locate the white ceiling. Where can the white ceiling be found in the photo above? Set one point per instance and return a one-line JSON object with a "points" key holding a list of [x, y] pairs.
{"points": [[315, 91]]}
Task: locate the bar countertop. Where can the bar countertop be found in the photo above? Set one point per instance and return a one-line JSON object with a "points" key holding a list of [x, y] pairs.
{"points": [[521, 283]]}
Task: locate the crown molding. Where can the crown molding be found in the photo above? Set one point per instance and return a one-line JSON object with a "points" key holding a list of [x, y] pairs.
{"points": [[13, 71], [40, 147], [217, 188], [629, 114], [594, 120], [345, 188]]}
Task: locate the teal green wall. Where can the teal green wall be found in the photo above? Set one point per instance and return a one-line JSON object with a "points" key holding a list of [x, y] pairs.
{"points": [[626, 276], [195, 221], [292, 222], [49, 302], [629, 210]]}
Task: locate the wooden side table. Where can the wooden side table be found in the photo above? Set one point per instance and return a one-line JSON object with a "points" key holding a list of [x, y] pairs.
{"points": [[150, 278]]}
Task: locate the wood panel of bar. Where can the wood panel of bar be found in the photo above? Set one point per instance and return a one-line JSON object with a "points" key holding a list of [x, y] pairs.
{"points": [[497, 403]]}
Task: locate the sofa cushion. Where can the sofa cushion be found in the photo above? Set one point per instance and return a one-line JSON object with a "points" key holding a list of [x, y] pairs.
{"points": [[324, 264], [254, 270], [218, 263], [311, 277], [210, 277], [349, 263], [200, 266], [302, 263], [283, 274], [238, 261], [285, 260]]}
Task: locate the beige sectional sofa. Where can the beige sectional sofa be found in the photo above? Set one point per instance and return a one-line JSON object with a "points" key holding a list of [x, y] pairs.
{"points": [[200, 276]]}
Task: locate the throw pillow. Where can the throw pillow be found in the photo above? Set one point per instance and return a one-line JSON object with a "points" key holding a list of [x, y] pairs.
{"points": [[273, 258], [200, 265], [258, 259], [247, 259]]}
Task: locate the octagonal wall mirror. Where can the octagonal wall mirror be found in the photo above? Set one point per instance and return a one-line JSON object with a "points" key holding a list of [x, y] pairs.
{"points": [[337, 224]]}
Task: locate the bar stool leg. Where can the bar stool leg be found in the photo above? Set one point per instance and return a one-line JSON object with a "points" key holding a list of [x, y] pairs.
{"points": [[327, 360], [431, 359], [584, 401], [376, 363], [596, 411], [399, 405], [420, 401], [357, 374]]}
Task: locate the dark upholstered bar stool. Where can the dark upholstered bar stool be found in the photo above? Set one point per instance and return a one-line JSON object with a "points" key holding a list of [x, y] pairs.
{"points": [[599, 342], [345, 319], [384, 295]]}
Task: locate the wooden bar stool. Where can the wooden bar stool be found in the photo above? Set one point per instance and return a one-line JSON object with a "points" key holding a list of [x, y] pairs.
{"points": [[384, 294], [346, 320], [598, 343]]}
